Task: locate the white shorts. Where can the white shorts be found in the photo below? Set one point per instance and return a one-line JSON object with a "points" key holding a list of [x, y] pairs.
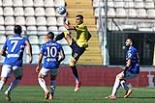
{"points": [[128, 75], [44, 72], [7, 70]]}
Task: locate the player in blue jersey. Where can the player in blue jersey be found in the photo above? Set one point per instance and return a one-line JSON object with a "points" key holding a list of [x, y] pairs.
{"points": [[131, 70], [13, 51], [53, 55]]}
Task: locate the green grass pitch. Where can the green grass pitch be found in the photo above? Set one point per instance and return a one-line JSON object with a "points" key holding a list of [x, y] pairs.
{"points": [[34, 94]]}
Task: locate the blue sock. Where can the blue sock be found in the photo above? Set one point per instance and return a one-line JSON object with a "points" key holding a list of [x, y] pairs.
{"points": [[53, 86]]}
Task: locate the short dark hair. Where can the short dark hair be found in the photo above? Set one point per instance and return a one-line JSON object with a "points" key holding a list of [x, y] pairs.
{"points": [[80, 16], [131, 39], [50, 35], [18, 29]]}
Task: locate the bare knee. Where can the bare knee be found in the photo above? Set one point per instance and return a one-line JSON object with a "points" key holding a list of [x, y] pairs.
{"points": [[119, 76], [69, 39], [41, 76], [72, 62], [4, 79]]}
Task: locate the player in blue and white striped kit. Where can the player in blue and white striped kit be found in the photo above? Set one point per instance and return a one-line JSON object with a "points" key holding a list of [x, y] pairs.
{"points": [[53, 54], [13, 51], [131, 70]]}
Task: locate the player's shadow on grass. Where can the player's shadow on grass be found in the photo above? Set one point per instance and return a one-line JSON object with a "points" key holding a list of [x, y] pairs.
{"points": [[44, 101], [140, 97]]}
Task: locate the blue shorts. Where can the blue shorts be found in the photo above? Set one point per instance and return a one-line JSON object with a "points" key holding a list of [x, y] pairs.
{"points": [[130, 75], [135, 69], [132, 72], [76, 50]]}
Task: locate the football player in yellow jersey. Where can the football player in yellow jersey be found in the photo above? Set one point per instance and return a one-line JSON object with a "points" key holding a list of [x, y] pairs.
{"points": [[78, 45]]}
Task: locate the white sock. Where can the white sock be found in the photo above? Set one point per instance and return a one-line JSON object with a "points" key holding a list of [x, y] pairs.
{"points": [[43, 84], [115, 87], [124, 85], [53, 86], [12, 85], [1, 85]]}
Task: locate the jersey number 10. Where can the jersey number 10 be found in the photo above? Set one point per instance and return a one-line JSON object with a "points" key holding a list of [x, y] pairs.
{"points": [[51, 52]]}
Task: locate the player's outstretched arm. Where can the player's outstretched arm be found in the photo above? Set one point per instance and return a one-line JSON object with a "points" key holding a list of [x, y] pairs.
{"points": [[39, 63], [29, 51], [69, 27]]}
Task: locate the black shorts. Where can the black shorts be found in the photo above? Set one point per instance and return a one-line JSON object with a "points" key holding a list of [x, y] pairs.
{"points": [[76, 50]]}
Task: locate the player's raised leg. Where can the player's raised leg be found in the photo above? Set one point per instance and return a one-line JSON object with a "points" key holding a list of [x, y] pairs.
{"points": [[66, 35]]}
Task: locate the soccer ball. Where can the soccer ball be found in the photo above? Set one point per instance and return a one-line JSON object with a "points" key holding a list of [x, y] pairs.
{"points": [[61, 10]]}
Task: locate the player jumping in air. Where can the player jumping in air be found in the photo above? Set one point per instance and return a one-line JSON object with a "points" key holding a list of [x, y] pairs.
{"points": [[78, 46], [132, 69], [13, 52], [53, 54]]}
